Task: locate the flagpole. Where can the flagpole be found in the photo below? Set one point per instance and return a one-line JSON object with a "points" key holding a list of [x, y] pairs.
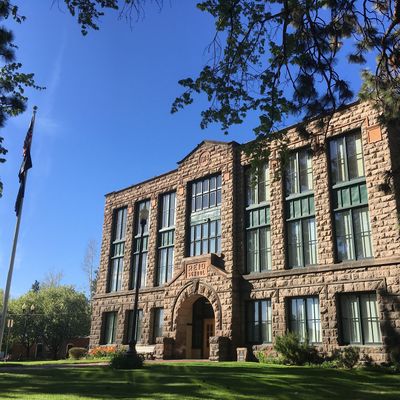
{"points": [[10, 273], [13, 252]]}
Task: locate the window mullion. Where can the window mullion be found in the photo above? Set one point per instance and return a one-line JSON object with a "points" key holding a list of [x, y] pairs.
{"points": [[302, 242], [353, 237], [360, 324], [346, 167]]}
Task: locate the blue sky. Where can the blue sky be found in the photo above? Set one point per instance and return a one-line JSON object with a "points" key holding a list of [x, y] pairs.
{"points": [[103, 123]]}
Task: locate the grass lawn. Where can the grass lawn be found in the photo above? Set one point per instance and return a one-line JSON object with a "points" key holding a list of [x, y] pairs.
{"points": [[198, 381], [10, 364]]}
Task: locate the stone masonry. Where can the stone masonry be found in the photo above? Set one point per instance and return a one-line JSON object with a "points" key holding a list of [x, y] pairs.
{"points": [[226, 286]]}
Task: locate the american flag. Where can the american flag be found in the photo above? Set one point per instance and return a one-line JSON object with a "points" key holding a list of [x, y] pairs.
{"points": [[26, 164]]}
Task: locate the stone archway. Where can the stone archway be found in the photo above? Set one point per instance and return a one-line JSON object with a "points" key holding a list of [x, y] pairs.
{"points": [[182, 318]]}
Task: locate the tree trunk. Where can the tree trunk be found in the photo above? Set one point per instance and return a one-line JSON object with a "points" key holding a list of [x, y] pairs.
{"points": [[27, 349]]}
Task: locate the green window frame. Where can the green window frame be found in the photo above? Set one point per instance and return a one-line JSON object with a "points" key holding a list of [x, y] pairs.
{"points": [[350, 198], [166, 238], [158, 323], [258, 225], [305, 319], [117, 250], [205, 216], [206, 193], [301, 229], [110, 320], [129, 326], [259, 321], [360, 319], [136, 245]]}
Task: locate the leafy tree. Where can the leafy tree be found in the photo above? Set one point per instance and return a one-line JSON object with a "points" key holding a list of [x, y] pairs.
{"points": [[65, 316], [59, 313], [281, 57], [274, 58], [26, 313]]}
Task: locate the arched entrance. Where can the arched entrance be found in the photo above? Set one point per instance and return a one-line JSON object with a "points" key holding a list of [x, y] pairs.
{"points": [[194, 326]]}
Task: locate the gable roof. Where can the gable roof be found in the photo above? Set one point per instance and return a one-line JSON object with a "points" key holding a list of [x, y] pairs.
{"points": [[233, 143]]}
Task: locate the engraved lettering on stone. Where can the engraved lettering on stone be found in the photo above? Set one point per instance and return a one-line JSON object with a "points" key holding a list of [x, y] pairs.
{"points": [[196, 270]]}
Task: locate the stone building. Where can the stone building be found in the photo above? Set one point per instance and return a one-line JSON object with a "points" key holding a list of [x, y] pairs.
{"points": [[234, 258]]}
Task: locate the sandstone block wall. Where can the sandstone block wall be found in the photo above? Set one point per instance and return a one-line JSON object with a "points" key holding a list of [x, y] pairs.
{"points": [[227, 286]]}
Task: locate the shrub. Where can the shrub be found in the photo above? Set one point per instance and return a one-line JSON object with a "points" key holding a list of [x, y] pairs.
{"points": [[349, 356], [77, 353], [121, 361], [265, 357], [102, 351], [330, 364], [294, 351]]}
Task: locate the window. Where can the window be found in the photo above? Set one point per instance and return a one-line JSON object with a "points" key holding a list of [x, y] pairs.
{"points": [[136, 245], [359, 317], [166, 238], [109, 327], [350, 199], [206, 193], [304, 318], [205, 217], [117, 250], [300, 211], [259, 321], [158, 322], [129, 326], [258, 230]]}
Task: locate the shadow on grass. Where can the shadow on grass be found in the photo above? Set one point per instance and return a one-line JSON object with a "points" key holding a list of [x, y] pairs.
{"points": [[207, 381]]}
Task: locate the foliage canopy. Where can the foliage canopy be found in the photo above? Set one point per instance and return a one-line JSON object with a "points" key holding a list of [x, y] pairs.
{"points": [[59, 313], [273, 58]]}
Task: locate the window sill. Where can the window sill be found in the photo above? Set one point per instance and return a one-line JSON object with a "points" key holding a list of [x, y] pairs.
{"points": [[364, 263]]}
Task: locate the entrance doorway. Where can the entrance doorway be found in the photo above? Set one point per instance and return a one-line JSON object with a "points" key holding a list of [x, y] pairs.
{"points": [[195, 326], [203, 327]]}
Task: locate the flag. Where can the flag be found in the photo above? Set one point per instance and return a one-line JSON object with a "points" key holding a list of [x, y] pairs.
{"points": [[26, 164]]}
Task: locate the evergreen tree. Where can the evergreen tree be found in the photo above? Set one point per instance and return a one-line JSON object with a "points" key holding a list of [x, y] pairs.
{"points": [[12, 80]]}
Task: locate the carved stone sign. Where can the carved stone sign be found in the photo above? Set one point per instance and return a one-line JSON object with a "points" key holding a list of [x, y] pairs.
{"points": [[198, 269]]}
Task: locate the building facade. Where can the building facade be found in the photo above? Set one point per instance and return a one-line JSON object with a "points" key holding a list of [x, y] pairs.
{"points": [[234, 257]]}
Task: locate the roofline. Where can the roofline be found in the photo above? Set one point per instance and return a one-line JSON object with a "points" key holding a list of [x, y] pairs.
{"points": [[312, 119], [232, 143], [141, 183]]}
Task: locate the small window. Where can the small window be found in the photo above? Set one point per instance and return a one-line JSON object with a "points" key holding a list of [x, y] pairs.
{"points": [[109, 327], [206, 193], [300, 210], [360, 320], [205, 216], [117, 250], [129, 326], [259, 321], [158, 323], [350, 199], [304, 319], [136, 245], [258, 229], [166, 238]]}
